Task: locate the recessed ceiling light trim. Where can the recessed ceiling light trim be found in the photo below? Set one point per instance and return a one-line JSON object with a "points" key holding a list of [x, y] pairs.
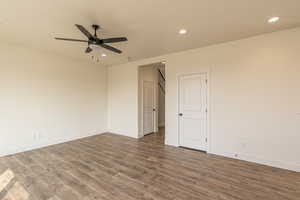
{"points": [[273, 19], [182, 31]]}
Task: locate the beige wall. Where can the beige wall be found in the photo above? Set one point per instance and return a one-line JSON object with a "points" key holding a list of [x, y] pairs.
{"points": [[254, 97], [47, 99], [123, 100]]}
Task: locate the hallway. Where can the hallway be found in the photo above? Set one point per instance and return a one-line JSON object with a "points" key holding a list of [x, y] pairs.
{"points": [[157, 137]]}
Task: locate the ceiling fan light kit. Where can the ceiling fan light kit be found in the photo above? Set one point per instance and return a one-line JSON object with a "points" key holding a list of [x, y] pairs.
{"points": [[95, 40]]}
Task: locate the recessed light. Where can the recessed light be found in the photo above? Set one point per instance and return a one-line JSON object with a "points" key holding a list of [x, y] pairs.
{"points": [[182, 31], [273, 19], [103, 55]]}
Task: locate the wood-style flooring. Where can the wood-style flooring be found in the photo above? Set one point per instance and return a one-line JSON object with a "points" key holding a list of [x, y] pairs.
{"points": [[112, 167], [157, 137]]}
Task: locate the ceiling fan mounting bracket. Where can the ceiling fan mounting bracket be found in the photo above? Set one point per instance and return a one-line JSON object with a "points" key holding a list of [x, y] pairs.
{"points": [[95, 26]]}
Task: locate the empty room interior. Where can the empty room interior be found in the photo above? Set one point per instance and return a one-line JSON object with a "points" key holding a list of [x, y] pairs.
{"points": [[150, 100]]}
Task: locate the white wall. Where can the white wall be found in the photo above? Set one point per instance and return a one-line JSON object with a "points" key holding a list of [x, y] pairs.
{"points": [[47, 99], [254, 97], [123, 100]]}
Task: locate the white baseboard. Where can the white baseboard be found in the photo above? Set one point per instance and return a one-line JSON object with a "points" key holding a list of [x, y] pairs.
{"points": [[169, 143], [30, 147], [272, 163], [122, 133], [278, 164]]}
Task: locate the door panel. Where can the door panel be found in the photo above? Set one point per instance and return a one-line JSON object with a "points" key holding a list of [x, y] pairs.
{"points": [[192, 109], [148, 106]]}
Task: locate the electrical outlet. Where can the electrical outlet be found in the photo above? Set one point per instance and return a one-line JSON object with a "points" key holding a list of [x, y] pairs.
{"points": [[41, 135], [35, 136], [244, 145]]}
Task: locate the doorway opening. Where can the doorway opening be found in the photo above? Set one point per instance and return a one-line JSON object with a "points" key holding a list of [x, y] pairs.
{"points": [[151, 95]]}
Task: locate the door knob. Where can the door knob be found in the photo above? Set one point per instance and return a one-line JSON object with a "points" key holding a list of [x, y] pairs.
{"points": [[154, 109], [180, 114]]}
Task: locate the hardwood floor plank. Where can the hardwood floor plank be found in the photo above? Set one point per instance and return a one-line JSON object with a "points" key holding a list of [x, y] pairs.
{"points": [[112, 167]]}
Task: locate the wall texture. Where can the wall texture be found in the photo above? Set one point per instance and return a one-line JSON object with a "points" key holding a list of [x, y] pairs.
{"points": [[48, 99], [254, 97]]}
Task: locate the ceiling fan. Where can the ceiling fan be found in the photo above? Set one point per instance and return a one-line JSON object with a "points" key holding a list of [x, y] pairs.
{"points": [[94, 40]]}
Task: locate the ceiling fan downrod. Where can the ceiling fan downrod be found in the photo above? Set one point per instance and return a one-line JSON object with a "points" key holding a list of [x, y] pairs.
{"points": [[95, 27]]}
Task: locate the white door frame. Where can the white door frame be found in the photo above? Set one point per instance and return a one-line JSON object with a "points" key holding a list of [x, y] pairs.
{"points": [[142, 107], [208, 107]]}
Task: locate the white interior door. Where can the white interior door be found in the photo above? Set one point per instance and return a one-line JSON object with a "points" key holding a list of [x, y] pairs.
{"points": [[148, 107], [193, 111]]}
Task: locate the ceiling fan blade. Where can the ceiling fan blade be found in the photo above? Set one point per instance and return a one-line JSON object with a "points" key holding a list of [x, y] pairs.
{"points": [[113, 40], [111, 48], [73, 40], [88, 50], [84, 31]]}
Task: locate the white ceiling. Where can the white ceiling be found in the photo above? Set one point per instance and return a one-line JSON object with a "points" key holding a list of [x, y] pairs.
{"points": [[151, 25]]}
